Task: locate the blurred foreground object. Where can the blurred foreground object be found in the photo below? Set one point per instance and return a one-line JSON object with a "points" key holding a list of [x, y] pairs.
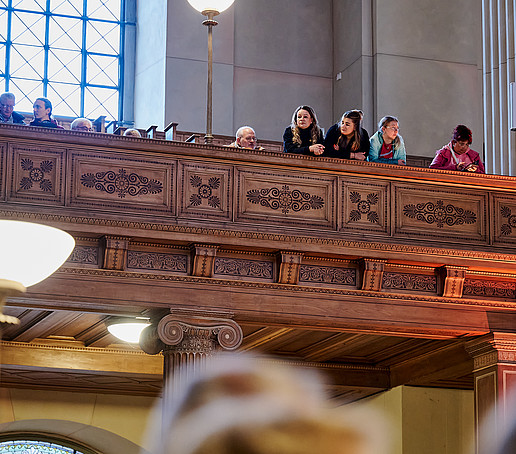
{"points": [[242, 404]]}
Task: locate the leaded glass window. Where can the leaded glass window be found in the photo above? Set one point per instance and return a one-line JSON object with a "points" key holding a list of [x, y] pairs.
{"points": [[34, 447], [70, 51]]}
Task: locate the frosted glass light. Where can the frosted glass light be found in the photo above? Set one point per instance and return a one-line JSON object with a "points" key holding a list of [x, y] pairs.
{"points": [[128, 331], [211, 5], [31, 252]]}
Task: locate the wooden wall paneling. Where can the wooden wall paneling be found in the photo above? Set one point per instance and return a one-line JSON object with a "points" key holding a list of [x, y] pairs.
{"points": [[3, 167], [36, 174], [441, 214], [205, 190], [121, 183], [286, 199], [365, 206]]}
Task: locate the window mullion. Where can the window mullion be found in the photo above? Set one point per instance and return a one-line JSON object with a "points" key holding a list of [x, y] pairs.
{"points": [[84, 55]]}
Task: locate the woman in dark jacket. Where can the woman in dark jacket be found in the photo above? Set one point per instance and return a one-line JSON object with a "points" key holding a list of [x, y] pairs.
{"points": [[303, 136], [347, 139]]}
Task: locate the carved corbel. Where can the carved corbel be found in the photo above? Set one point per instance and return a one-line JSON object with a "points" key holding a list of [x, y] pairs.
{"points": [[450, 281], [371, 274], [289, 266], [203, 259], [115, 252]]}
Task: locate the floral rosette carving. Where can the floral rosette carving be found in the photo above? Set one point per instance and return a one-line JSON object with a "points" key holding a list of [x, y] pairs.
{"points": [[205, 191], [363, 207], [36, 174], [506, 229], [285, 199], [439, 214]]}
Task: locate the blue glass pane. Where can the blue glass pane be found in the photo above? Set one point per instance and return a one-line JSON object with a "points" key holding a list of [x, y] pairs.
{"points": [[65, 33], [27, 62], [64, 66], [101, 101], [26, 92], [102, 37], [104, 9], [102, 70], [28, 28], [31, 5], [67, 7], [2, 61], [66, 99], [3, 25]]}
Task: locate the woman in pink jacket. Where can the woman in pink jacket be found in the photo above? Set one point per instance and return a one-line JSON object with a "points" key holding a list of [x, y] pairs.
{"points": [[457, 155]]}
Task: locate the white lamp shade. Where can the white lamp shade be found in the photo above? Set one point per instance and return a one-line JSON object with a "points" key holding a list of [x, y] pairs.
{"points": [[31, 252], [128, 331], [211, 5]]}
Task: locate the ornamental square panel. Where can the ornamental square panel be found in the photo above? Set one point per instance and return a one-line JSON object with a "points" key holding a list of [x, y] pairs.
{"points": [[440, 214], [205, 191], [286, 198], [365, 206], [142, 185], [36, 174], [504, 218]]}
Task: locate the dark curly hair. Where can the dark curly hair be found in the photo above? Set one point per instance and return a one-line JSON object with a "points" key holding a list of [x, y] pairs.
{"points": [[462, 133]]}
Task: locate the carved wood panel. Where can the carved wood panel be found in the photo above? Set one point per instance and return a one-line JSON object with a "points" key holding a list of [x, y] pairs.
{"points": [[3, 157], [504, 218], [286, 198], [205, 191], [143, 185], [334, 275], [157, 261], [84, 255], [36, 174], [437, 213], [410, 282], [489, 289], [243, 268], [365, 206]]}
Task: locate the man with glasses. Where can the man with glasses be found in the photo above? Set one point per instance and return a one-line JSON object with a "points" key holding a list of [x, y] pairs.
{"points": [[7, 113], [81, 124], [245, 138]]}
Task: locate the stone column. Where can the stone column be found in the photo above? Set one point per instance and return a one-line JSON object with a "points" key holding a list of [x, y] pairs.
{"points": [[188, 339], [494, 368]]}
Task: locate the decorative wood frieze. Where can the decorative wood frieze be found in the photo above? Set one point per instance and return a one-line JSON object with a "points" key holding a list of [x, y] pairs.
{"points": [[289, 266], [288, 199], [84, 255], [371, 273], [492, 349], [203, 259], [115, 252], [256, 269], [37, 174], [450, 281], [327, 275], [143, 260], [205, 190], [143, 185], [489, 288], [408, 281]]}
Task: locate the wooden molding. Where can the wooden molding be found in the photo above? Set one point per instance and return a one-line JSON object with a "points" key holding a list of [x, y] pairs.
{"points": [[203, 259], [289, 266], [115, 252]]}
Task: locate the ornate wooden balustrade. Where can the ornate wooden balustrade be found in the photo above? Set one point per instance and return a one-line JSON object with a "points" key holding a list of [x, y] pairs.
{"points": [[378, 273]]}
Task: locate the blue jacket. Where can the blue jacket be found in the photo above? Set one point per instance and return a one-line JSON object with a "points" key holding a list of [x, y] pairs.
{"points": [[375, 146]]}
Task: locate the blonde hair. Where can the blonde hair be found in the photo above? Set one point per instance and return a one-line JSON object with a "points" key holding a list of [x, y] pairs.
{"points": [[315, 132], [383, 124]]}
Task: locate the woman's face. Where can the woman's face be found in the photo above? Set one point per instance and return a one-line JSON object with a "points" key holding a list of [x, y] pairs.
{"points": [[347, 127], [460, 146], [390, 131], [303, 119]]}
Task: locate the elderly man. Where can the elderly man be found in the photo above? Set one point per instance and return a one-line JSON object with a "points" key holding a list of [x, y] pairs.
{"points": [[81, 124], [245, 138], [7, 113]]}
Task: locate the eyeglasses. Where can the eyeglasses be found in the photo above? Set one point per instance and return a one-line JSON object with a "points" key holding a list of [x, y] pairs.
{"points": [[393, 128], [6, 106], [82, 128]]}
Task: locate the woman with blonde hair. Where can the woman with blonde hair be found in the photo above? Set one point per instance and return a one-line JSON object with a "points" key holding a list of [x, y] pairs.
{"points": [[347, 139], [303, 136], [386, 145]]}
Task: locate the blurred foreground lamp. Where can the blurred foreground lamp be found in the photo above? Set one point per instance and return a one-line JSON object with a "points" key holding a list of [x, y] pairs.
{"points": [[127, 329], [210, 9], [30, 253]]}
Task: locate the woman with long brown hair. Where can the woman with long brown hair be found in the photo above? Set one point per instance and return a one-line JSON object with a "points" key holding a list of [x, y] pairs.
{"points": [[347, 139]]}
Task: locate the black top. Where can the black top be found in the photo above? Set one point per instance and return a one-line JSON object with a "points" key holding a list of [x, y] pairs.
{"points": [[305, 135], [45, 123], [332, 137]]}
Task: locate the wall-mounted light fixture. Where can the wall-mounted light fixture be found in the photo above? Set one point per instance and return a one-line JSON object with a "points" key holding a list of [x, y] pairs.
{"points": [[127, 329]]}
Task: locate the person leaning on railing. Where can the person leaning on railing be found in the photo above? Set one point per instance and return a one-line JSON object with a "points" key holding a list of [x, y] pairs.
{"points": [[303, 136], [347, 139], [457, 155], [7, 113], [386, 145]]}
